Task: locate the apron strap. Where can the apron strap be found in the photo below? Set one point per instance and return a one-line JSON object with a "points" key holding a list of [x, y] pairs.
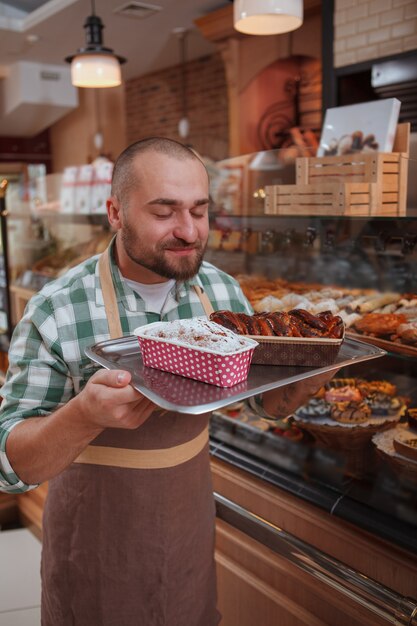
{"points": [[109, 295], [204, 299]]}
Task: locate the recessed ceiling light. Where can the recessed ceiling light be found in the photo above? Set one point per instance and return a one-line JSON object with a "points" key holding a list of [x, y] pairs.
{"points": [[139, 10]]}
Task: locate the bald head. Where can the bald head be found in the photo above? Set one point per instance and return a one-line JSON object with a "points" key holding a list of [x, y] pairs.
{"points": [[126, 176]]}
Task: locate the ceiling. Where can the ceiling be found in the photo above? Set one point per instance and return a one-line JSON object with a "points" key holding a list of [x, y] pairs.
{"points": [[48, 31]]}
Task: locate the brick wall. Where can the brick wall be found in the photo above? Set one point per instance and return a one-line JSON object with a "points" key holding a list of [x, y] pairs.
{"points": [[154, 105], [370, 29]]}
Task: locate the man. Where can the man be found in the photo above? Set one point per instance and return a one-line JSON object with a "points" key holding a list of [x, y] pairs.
{"points": [[128, 532]]}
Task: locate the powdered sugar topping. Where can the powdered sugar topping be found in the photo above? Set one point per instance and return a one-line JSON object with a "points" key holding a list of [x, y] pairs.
{"points": [[196, 332]]}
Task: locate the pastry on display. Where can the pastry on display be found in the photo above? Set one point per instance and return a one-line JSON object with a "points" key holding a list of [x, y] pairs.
{"points": [[397, 447], [381, 386], [350, 412], [340, 382], [382, 403], [353, 412], [316, 407], [405, 443], [349, 401], [346, 393], [407, 333], [380, 324], [370, 303], [386, 316]]}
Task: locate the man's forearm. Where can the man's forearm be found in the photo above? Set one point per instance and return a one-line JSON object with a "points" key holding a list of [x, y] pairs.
{"points": [[41, 447]]}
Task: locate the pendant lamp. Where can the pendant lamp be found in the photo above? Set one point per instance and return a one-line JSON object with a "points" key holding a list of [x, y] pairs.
{"points": [[95, 65], [267, 17]]}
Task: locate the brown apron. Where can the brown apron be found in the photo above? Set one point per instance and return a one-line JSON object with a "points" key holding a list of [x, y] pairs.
{"points": [[132, 544]]}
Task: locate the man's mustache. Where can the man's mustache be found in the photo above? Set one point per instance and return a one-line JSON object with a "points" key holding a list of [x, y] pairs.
{"points": [[180, 245]]}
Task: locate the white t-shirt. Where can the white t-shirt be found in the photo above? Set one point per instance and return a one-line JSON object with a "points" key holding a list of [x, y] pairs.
{"points": [[153, 295]]}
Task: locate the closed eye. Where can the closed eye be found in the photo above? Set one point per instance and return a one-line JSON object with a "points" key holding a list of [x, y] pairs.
{"points": [[199, 212], [163, 216]]}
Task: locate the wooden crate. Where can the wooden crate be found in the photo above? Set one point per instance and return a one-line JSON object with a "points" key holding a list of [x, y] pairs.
{"points": [[325, 198], [366, 184]]}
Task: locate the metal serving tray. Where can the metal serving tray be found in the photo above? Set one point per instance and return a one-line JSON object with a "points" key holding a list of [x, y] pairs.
{"points": [[177, 393]]}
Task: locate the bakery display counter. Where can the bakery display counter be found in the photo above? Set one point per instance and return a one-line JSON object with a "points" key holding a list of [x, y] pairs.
{"points": [[334, 465], [281, 559], [328, 474]]}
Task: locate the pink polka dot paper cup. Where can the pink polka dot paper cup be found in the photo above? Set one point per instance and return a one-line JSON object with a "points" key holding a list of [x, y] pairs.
{"points": [[165, 350]]}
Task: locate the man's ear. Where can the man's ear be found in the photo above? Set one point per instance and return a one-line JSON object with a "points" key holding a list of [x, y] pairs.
{"points": [[113, 212]]}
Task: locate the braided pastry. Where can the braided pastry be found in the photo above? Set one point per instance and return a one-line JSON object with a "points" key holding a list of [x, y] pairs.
{"points": [[295, 323]]}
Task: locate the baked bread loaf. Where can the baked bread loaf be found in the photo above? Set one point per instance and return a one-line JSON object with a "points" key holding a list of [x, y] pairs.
{"points": [[198, 333]]}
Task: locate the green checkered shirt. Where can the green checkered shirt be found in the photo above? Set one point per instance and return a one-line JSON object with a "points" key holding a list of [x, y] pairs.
{"points": [[47, 364]]}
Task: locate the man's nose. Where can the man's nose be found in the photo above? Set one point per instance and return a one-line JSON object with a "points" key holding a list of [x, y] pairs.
{"points": [[185, 229]]}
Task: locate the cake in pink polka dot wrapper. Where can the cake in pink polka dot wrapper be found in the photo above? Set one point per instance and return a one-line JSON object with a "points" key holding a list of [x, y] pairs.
{"points": [[197, 348]]}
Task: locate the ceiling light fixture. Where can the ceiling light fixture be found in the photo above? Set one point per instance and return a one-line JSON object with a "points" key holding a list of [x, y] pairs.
{"points": [[95, 66], [267, 17]]}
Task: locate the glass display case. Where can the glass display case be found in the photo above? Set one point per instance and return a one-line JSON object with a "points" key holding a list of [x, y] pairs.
{"points": [[339, 450], [356, 260], [46, 237]]}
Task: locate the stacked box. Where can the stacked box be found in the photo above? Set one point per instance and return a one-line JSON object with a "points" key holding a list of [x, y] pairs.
{"points": [[364, 184]]}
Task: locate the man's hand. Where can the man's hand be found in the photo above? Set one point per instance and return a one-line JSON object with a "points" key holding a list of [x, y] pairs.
{"points": [[109, 401]]}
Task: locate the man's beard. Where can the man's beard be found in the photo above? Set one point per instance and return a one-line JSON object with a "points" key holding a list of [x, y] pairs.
{"points": [[183, 268]]}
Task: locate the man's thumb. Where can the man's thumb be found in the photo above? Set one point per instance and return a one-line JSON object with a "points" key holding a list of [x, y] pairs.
{"points": [[113, 378], [123, 378]]}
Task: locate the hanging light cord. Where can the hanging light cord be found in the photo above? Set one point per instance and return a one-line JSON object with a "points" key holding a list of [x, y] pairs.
{"points": [[183, 57], [97, 111]]}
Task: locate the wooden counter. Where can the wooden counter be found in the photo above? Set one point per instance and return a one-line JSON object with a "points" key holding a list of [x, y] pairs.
{"points": [[256, 586]]}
